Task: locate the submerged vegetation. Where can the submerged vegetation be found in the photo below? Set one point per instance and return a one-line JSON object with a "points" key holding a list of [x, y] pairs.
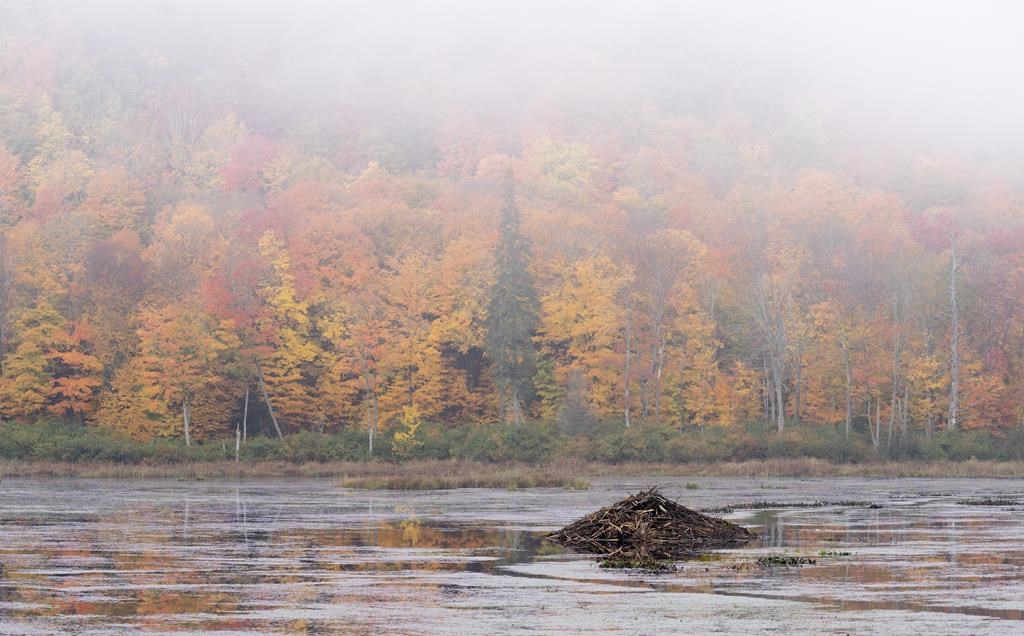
{"points": [[784, 561], [989, 501], [834, 553], [770, 505], [643, 565]]}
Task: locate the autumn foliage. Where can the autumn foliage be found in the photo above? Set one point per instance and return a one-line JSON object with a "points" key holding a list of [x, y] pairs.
{"points": [[172, 262]]}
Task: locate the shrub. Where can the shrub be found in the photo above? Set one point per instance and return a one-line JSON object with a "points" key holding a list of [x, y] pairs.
{"points": [[482, 442], [532, 442]]}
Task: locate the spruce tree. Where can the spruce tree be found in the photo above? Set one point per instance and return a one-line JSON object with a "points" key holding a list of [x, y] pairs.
{"points": [[574, 416], [512, 314]]}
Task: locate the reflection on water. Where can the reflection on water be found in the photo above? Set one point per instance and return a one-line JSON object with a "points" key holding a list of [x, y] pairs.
{"points": [[306, 557]]}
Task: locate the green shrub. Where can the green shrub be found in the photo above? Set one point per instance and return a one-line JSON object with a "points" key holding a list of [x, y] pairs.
{"points": [[532, 442], [640, 442], [482, 442]]}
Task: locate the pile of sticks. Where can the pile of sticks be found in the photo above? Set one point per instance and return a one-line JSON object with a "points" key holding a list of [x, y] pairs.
{"points": [[647, 526]]}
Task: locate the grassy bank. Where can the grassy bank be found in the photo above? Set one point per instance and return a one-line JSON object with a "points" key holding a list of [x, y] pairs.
{"points": [[812, 467], [532, 443], [535, 454], [445, 474]]}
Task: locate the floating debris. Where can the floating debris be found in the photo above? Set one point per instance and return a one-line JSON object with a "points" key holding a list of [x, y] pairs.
{"points": [[833, 553], [769, 505], [784, 561], [647, 527], [988, 501], [646, 565]]}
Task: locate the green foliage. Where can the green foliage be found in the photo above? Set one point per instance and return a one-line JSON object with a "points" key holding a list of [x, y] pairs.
{"points": [[534, 442], [308, 446], [960, 445], [574, 414], [640, 442], [512, 313]]}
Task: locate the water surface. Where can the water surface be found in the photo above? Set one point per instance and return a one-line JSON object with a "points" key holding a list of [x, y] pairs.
{"points": [[289, 556]]}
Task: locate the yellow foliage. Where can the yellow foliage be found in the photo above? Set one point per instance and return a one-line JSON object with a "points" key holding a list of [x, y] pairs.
{"points": [[582, 326], [405, 442]]}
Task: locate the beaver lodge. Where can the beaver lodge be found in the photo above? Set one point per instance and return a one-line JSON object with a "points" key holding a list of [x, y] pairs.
{"points": [[648, 527]]}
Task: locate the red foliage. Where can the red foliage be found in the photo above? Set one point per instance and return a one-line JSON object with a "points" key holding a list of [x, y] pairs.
{"points": [[246, 160]]}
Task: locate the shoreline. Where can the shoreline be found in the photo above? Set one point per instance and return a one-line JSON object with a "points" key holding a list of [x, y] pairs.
{"points": [[454, 474]]}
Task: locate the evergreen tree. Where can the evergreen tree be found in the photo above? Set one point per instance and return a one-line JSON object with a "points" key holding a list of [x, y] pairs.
{"points": [[574, 416], [512, 314]]}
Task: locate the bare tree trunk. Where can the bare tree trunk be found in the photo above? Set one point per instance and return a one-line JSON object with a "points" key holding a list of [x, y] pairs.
{"points": [[798, 378], [875, 428], [766, 392], [245, 415], [627, 379], [771, 316], [780, 411], [904, 415], [878, 422], [898, 303], [374, 418], [515, 407], [659, 368], [645, 404], [892, 421], [871, 429], [954, 357], [895, 397], [266, 399], [370, 389], [369, 433], [187, 417], [849, 391], [238, 442]]}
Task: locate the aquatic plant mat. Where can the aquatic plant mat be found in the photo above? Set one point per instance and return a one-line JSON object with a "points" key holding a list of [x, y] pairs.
{"points": [[988, 501], [784, 561], [648, 527]]}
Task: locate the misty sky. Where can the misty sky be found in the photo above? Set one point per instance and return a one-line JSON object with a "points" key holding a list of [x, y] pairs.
{"points": [[924, 73]]}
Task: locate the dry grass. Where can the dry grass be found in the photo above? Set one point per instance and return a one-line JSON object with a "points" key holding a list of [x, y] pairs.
{"points": [[197, 470], [427, 475], [449, 475], [568, 473], [808, 467]]}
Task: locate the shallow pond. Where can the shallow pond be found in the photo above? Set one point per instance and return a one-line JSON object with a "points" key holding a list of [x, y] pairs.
{"points": [[287, 556]]}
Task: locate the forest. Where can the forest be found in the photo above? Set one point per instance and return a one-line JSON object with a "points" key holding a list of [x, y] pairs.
{"points": [[189, 249]]}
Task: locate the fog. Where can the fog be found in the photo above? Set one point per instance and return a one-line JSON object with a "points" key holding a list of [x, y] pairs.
{"points": [[927, 74], [222, 219]]}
